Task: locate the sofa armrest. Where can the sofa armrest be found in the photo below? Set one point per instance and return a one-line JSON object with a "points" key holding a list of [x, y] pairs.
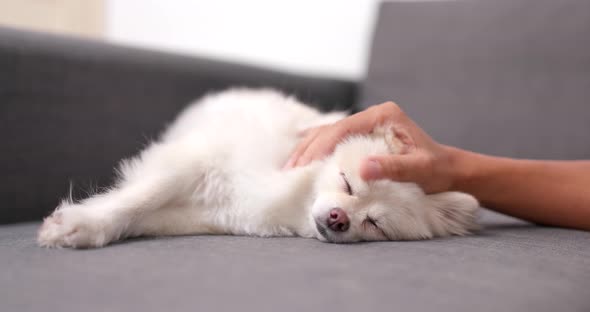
{"points": [[71, 108]]}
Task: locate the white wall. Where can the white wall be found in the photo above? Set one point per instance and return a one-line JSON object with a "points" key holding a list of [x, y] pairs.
{"points": [[326, 37], [72, 17]]}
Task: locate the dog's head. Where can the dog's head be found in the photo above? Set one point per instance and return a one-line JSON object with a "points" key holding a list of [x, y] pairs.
{"points": [[349, 209]]}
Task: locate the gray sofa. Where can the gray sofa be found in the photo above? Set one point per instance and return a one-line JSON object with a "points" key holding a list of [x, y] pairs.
{"points": [[507, 77]]}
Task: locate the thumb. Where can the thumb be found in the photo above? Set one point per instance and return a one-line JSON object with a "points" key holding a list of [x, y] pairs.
{"points": [[403, 168]]}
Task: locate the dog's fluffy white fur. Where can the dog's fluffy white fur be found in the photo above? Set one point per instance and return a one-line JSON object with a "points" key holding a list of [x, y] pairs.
{"points": [[217, 170]]}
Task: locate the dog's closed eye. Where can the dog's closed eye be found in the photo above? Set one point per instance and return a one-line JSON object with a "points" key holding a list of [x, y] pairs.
{"points": [[346, 184], [373, 224]]}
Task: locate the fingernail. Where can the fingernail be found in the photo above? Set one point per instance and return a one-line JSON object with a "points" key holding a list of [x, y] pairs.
{"points": [[289, 164], [372, 169]]}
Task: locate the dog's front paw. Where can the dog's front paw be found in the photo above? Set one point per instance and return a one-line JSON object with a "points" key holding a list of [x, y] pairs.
{"points": [[71, 226]]}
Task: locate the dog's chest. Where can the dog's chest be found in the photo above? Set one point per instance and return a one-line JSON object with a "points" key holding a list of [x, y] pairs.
{"points": [[262, 203]]}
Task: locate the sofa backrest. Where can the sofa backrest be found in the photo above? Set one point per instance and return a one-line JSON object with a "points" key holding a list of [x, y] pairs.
{"points": [[70, 109], [504, 77]]}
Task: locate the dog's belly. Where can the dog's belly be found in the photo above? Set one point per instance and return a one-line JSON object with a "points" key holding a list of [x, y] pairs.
{"points": [[243, 144]]}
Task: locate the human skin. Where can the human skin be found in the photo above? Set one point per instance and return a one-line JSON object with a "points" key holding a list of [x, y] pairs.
{"points": [[555, 193]]}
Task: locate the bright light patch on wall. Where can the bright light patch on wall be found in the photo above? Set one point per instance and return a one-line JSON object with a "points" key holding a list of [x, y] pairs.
{"points": [[327, 37]]}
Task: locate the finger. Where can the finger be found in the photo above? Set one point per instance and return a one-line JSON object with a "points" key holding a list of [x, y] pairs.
{"points": [[300, 149], [307, 131], [322, 145], [402, 168], [318, 149]]}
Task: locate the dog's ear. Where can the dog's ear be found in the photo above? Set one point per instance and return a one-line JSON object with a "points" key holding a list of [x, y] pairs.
{"points": [[453, 213]]}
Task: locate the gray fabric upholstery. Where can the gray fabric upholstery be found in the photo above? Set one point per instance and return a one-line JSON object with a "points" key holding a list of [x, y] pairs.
{"points": [[70, 109], [504, 77], [509, 266]]}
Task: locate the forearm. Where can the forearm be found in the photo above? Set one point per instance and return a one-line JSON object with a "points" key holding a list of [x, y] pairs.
{"points": [[554, 193]]}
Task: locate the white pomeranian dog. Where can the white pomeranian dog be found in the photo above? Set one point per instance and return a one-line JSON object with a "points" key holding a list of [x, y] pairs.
{"points": [[217, 170]]}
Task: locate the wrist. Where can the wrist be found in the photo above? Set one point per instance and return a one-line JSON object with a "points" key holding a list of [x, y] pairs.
{"points": [[460, 169]]}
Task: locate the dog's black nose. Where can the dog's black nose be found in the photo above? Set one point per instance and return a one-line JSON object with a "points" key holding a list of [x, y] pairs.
{"points": [[338, 220]]}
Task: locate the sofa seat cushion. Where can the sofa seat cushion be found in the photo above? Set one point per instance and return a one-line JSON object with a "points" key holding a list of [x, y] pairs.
{"points": [[508, 266]]}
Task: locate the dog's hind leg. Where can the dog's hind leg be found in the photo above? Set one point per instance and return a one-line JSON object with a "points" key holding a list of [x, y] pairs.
{"points": [[149, 183]]}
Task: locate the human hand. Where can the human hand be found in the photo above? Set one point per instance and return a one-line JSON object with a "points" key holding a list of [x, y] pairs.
{"points": [[422, 160], [318, 142]]}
